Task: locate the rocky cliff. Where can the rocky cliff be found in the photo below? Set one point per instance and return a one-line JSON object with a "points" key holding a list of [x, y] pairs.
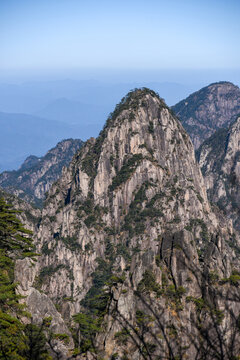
{"points": [[134, 258], [219, 161], [36, 175], [213, 107]]}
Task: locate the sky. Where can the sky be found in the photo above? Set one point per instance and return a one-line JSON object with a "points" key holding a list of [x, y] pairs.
{"points": [[137, 34]]}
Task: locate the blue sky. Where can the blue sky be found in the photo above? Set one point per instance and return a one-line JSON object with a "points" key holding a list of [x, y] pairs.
{"points": [[150, 34]]}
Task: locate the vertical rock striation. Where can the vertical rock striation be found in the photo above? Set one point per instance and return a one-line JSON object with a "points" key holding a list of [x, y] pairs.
{"points": [[36, 175], [205, 111], [131, 247], [219, 159]]}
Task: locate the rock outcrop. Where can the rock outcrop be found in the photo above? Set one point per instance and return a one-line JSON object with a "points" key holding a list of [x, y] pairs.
{"points": [[36, 175], [205, 111], [132, 249], [219, 159]]}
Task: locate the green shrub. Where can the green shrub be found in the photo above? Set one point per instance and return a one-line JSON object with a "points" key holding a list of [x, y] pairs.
{"points": [[122, 336], [150, 127], [128, 168]]}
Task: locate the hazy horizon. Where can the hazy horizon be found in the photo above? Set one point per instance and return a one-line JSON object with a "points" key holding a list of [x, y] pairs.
{"points": [[72, 61], [198, 77]]}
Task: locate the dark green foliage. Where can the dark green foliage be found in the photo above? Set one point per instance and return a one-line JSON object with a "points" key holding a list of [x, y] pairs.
{"points": [[143, 319], [137, 215], [149, 348], [217, 143], [87, 206], [130, 102], [12, 338], [95, 304], [50, 270], [175, 293], [158, 260], [90, 221], [198, 222], [13, 236], [123, 250], [148, 283], [88, 247], [147, 148], [133, 100], [30, 217], [200, 198], [156, 197], [87, 328], [90, 162], [14, 243], [36, 343], [46, 272], [97, 297], [150, 127], [94, 213], [234, 279], [122, 336], [46, 250], [203, 307], [62, 337], [128, 168]]}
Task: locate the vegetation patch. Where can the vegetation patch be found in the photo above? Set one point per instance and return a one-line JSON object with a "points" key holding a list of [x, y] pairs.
{"points": [[96, 302], [71, 242], [128, 168], [137, 215]]}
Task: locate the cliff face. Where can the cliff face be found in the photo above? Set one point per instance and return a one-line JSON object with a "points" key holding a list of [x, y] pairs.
{"points": [[220, 163], [208, 109], [36, 175], [131, 245]]}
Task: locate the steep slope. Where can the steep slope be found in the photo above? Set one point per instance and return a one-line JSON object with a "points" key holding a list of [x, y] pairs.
{"points": [[220, 164], [213, 107], [131, 247], [37, 174], [28, 215], [25, 271]]}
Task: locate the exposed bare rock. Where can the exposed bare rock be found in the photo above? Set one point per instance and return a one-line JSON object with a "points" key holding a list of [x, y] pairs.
{"points": [[132, 247], [36, 175], [219, 159], [205, 111]]}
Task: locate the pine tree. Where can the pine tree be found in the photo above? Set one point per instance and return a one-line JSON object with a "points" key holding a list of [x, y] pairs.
{"points": [[15, 242]]}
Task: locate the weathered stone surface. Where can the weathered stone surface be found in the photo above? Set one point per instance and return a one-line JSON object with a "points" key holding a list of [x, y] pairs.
{"points": [[132, 209], [220, 163], [36, 175], [205, 111]]}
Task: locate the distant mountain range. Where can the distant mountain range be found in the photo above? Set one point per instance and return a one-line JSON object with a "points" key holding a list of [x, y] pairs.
{"points": [[34, 116], [134, 261], [23, 134], [73, 112], [70, 109], [205, 111], [37, 174], [32, 97]]}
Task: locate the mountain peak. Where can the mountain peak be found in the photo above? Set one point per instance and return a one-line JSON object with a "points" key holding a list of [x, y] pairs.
{"points": [[222, 83], [212, 107], [127, 234], [132, 101]]}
